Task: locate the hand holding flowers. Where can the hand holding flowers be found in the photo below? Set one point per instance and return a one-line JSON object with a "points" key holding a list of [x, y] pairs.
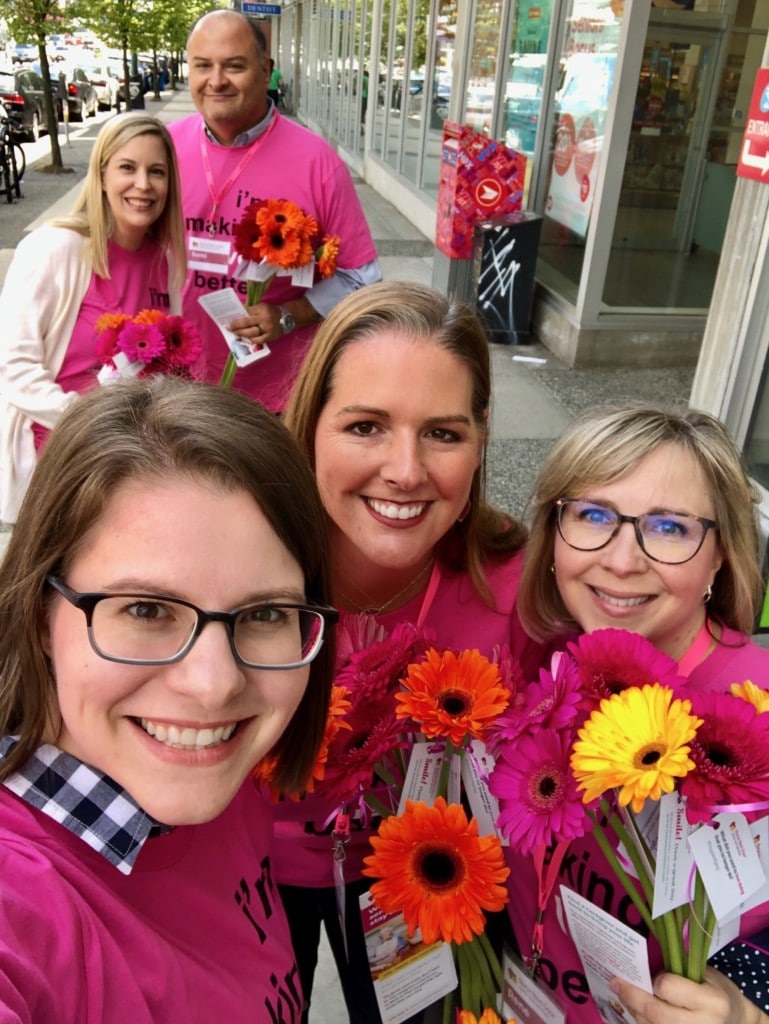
{"points": [[276, 236]]}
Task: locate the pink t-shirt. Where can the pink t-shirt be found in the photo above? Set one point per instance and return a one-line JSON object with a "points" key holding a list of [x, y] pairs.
{"points": [[586, 871], [138, 280], [288, 162], [457, 619], [196, 932]]}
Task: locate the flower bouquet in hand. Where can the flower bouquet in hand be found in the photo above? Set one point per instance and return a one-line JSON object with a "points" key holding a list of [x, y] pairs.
{"points": [[663, 777], [150, 342], [431, 861], [275, 236]]}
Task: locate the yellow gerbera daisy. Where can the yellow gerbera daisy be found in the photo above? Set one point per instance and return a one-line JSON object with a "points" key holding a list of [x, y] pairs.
{"points": [[637, 741], [454, 695], [752, 694]]}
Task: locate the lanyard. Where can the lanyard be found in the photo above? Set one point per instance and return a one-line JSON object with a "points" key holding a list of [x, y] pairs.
{"points": [[430, 592], [218, 195], [696, 651], [546, 879]]}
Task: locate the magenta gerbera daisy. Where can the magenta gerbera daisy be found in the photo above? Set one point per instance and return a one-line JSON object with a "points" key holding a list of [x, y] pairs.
{"points": [[376, 670], [183, 342], [537, 793], [142, 342], [731, 756], [354, 755], [612, 660]]}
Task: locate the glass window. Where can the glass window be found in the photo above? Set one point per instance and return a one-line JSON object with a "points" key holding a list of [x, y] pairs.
{"points": [[587, 65]]}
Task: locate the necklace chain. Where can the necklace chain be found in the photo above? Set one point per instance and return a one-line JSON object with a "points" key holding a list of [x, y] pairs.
{"points": [[374, 610]]}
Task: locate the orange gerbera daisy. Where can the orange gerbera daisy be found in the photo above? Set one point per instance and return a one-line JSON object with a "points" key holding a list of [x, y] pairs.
{"points": [[149, 316], [435, 868], [284, 215], [453, 695], [487, 1017], [327, 255], [335, 722], [111, 322]]}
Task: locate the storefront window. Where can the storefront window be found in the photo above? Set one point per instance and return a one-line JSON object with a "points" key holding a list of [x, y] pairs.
{"points": [[586, 76]]}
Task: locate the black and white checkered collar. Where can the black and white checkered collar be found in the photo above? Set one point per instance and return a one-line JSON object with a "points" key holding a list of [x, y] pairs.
{"points": [[83, 800]]}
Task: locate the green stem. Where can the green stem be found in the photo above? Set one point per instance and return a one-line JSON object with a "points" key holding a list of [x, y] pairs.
{"points": [[228, 372], [624, 878], [486, 991], [448, 1006], [254, 292], [443, 779], [493, 960], [701, 922], [376, 805]]}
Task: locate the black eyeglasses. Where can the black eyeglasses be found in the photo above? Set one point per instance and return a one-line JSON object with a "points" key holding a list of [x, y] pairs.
{"points": [[668, 537], [148, 629]]}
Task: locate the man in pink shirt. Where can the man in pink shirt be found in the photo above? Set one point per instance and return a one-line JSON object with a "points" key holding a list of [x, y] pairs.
{"points": [[238, 148]]}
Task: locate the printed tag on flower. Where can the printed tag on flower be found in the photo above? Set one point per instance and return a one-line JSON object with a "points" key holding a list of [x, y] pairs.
{"points": [[728, 862], [642, 826], [303, 277], [204, 253], [422, 774], [477, 765], [675, 861], [608, 949], [760, 832], [123, 369], [248, 270], [524, 998], [408, 975]]}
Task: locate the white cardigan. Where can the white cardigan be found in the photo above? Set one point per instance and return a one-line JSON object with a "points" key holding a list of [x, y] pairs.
{"points": [[39, 305]]}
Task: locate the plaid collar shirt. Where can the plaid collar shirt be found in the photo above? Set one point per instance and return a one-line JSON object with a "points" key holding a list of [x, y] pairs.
{"points": [[83, 800]]}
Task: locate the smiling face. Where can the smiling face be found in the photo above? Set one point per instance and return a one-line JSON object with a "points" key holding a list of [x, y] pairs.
{"points": [[228, 75], [396, 448], [180, 738], [619, 586], [135, 183]]}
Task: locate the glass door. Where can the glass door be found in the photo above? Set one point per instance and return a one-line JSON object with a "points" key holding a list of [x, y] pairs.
{"points": [[668, 141]]}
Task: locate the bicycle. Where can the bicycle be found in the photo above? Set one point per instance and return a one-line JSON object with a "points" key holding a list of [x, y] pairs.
{"points": [[13, 162]]}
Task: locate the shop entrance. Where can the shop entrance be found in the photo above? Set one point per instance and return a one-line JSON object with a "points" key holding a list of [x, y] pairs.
{"points": [[668, 142]]}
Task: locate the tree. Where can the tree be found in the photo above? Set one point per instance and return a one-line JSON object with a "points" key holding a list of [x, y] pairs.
{"points": [[34, 21]]}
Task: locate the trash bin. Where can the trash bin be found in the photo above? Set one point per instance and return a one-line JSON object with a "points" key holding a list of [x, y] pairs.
{"points": [[504, 264], [135, 92]]}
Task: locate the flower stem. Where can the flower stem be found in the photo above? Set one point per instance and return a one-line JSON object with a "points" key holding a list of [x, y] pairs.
{"points": [[443, 779], [492, 959], [701, 922], [376, 805], [254, 292], [228, 372], [624, 878]]}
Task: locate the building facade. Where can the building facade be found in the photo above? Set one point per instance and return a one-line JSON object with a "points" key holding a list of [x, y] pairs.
{"points": [[631, 113]]}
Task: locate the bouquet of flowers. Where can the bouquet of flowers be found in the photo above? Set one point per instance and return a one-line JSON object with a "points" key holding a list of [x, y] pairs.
{"points": [[431, 862], [275, 236], [608, 742], [150, 342]]}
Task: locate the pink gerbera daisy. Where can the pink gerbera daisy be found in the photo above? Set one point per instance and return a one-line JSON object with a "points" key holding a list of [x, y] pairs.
{"points": [[183, 342], [731, 756], [376, 670], [612, 660], [549, 703], [142, 342], [539, 801], [354, 755]]}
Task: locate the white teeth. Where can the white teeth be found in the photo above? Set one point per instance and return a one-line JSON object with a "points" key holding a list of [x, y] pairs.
{"points": [[621, 602], [391, 511], [187, 738]]}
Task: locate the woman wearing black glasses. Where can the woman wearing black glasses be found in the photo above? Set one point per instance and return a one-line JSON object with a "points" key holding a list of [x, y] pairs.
{"points": [[643, 519], [162, 617]]}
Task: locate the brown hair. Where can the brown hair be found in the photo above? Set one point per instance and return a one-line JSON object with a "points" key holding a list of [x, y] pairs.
{"points": [[604, 445], [421, 314], [147, 429]]}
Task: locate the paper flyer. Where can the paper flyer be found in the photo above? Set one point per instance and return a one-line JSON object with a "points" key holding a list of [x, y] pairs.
{"points": [[408, 975]]}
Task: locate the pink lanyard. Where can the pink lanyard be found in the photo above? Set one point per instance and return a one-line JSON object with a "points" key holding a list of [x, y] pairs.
{"points": [[430, 592], [696, 651], [217, 197]]}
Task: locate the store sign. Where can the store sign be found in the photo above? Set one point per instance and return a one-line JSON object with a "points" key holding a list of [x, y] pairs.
{"points": [[754, 156]]}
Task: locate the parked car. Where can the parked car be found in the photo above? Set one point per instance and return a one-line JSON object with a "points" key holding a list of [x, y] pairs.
{"points": [[82, 96], [23, 52], [22, 92], [106, 83], [135, 86]]}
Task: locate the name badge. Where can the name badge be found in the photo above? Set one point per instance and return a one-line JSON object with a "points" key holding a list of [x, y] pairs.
{"points": [[205, 253]]}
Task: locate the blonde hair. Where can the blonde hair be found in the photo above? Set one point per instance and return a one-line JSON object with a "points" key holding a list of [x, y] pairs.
{"points": [[604, 445], [91, 215], [420, 313]]}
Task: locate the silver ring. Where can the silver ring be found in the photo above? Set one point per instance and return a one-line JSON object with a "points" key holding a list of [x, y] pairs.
{"points": [[259, 328]]}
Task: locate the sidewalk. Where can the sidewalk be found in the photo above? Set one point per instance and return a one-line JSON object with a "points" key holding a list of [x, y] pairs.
{"points": [[535, 395]]}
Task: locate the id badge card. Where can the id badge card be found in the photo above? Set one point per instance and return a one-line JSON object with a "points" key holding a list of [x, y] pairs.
{"points": [[525, 998], [210, 254]]}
